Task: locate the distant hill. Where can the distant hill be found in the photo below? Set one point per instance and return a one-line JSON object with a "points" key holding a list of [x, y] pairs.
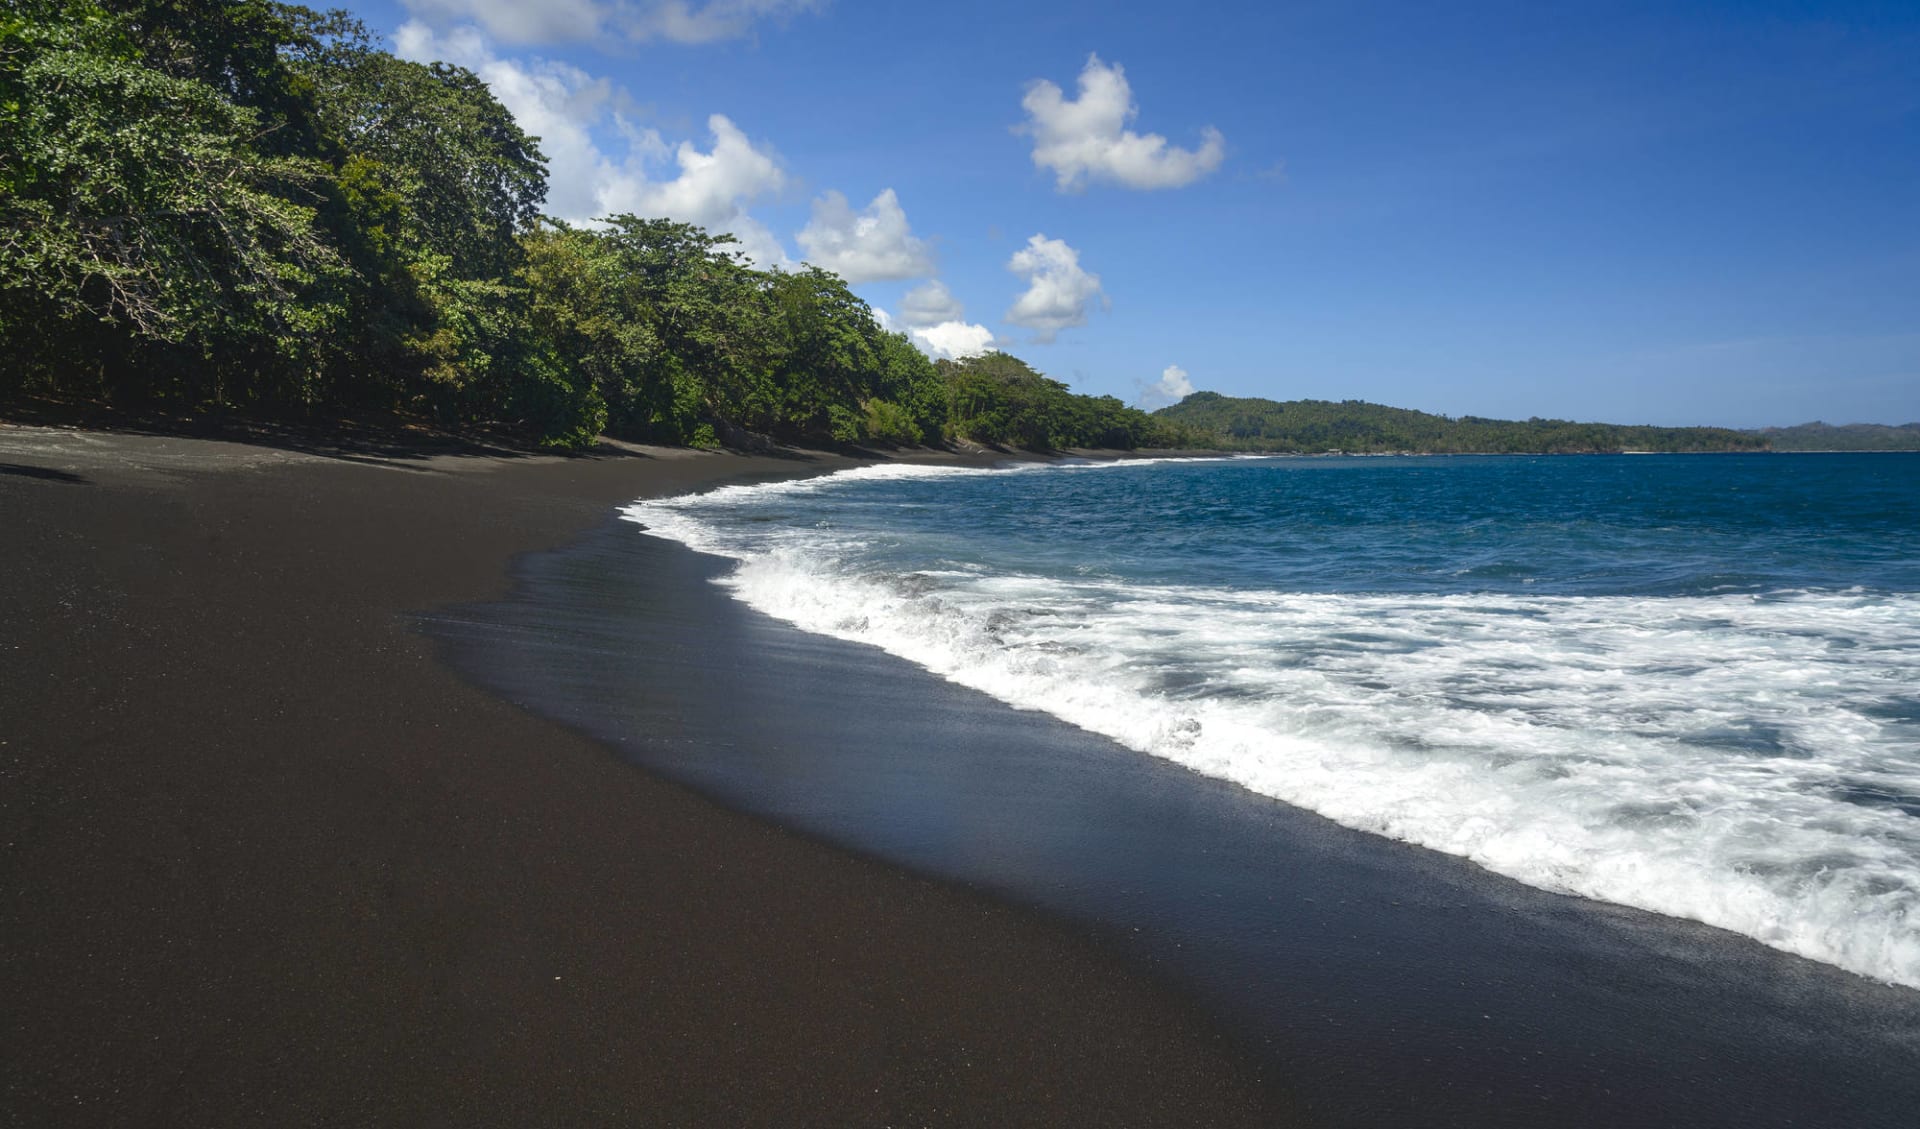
{"points": [[1355, 426], [1851, 437]]}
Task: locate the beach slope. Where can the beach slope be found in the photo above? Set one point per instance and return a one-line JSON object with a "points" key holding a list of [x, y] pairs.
{"points": [[266, 861]]}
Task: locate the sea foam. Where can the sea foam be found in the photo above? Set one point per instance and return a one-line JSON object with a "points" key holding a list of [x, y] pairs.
{"points": [[1746, 760]]}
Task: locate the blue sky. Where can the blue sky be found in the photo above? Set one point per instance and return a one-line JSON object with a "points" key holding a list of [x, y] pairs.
{"points": [[1642, 213]]}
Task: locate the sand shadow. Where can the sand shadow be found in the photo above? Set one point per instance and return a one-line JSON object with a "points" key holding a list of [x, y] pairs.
{"points": [[384, 440], [44, 474]]}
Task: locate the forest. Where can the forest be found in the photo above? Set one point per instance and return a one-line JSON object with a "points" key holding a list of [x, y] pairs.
{"points": [[1844, 437], [246, 207], [1357, 427]]}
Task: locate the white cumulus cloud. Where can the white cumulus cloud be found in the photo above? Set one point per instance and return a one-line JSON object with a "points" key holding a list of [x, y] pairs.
{"points": [[871, 245], [952, 339], [936, 321], [1172, 387], [1086, 139], [712, 189], [1059, 289], [563, 21], [562, 105], [931, 303]]}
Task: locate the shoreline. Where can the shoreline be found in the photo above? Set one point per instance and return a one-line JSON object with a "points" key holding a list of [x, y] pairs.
{"points": [[338, 882], [271, 861], [1391, 985]]}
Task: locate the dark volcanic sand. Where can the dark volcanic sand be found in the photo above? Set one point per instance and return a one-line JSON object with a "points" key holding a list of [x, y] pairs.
{"points": [[266, 862], [1389, 986]]}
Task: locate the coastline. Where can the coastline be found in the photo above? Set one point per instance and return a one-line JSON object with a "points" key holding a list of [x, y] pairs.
{"points": [[1391, 986], [271, 862], [275, 856]]}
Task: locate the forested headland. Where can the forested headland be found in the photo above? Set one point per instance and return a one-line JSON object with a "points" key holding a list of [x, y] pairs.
{"points": [[248, 207], [1357, 427], [1844, 437]]}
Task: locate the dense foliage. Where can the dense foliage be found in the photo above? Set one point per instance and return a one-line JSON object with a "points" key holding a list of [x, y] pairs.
{"points": [[243, 205], [996, 398], [1353, 426], [1847, 437]]}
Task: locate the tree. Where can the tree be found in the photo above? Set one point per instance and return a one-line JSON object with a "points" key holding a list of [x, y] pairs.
{"points": [[705, 319], [244, 205], [433, 182], [827, 366], [144, 239], [908, 380]]}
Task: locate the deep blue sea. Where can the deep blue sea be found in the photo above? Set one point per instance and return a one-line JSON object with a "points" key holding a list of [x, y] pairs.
{"points": [[1689, 684]]}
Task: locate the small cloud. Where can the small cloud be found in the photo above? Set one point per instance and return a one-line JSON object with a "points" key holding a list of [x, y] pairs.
{"points": [[1086, 139], [712, 189], [1172, 387], [936, 321], [930, 304], [1058, 290], [562, 105], [952, 339], [933, 319], [871, 245]]}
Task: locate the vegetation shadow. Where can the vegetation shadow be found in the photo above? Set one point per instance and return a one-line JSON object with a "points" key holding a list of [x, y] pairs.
{"points": [[391, 441], [47, 474]]}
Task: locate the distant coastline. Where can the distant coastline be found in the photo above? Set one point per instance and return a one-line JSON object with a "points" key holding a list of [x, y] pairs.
{"points": [[1852, 437], [1356, 427]]}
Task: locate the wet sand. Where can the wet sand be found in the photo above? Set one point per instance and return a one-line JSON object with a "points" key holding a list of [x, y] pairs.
{"points": [[1391, 987], [267, 860]]}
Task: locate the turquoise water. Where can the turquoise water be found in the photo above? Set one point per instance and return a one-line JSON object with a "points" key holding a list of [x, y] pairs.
{"points": [[1689, 684]]}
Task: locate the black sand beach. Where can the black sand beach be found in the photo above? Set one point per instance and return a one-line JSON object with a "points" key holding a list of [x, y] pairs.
{"points": [[1387, 985], [268, 861], [272, 857]]}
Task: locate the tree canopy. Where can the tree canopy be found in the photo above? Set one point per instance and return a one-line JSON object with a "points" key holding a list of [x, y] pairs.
{"points": [[246, 206], [1357, 427], [1845, 437]]}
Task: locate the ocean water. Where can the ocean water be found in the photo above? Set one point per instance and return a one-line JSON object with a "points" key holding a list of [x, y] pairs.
{"points": [[1689, 684]]}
